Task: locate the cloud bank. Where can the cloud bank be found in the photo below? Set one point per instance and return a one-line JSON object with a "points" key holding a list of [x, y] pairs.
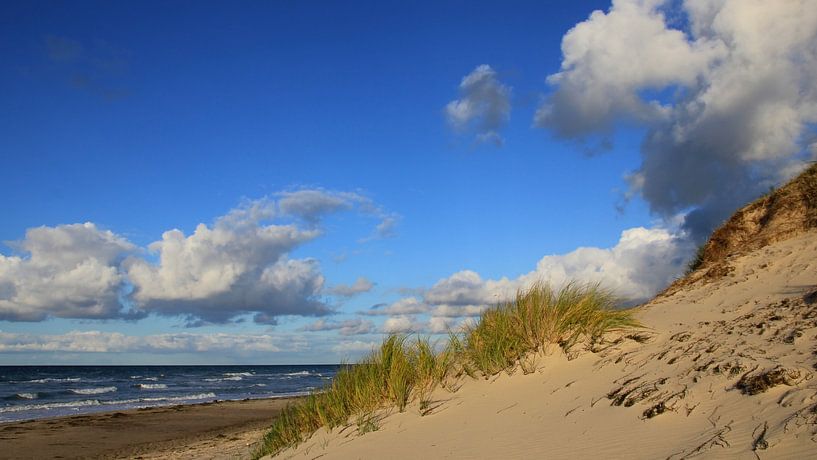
{"points": [[728, 97], [239, 265], [484, 106], [115, 342], [642, 262]]}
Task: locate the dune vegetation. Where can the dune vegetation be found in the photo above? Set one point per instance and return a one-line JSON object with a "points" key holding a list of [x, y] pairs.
{"points": [[407, 369]]}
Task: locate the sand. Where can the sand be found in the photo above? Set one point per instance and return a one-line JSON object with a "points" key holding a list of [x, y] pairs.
{"points": [[224, 430], [724, 369]]}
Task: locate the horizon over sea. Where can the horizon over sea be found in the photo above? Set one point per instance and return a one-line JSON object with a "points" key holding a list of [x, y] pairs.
{"points": [[34, 392]]}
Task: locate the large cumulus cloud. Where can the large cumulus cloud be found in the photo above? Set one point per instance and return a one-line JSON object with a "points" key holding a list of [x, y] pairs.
{"points": [[727, 94], [71, 271], [239, 265]]}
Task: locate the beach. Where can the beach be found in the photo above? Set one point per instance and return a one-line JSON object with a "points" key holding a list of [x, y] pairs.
{"points": [[721, 368], [223, 429]]}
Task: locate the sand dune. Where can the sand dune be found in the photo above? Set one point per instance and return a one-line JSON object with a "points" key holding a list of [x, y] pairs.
{"points": [[724, 368]]}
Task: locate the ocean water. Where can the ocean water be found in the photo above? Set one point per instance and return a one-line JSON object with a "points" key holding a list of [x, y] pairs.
{"points": [[32, 392]]}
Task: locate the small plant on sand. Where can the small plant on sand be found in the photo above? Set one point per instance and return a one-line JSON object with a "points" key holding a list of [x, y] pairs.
{"points": [[696, 262], [401, 371]]}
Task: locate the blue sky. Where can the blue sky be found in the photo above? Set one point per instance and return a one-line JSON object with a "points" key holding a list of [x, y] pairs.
{"points": [[141, 118]]}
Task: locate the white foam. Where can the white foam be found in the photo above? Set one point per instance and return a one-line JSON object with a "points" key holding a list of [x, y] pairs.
{"points": [[93, 391], [181, 398], [234, 378], [71, 404], [48, 380], [238, 374], [295, 374], [151, 386], [27, 395]]}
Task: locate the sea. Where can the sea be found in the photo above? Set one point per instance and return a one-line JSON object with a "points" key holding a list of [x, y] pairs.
{"points": [[34, 392]]}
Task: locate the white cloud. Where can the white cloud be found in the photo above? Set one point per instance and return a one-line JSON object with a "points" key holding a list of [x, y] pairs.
{"points": [[355, 346], [312, 205], [609, 58], [440, 325], [239, 265], [457, 311], [69, 271], [355, 326], [387, 226], [466, 288], [401, 325], [484, 105], [404, 306], [643, 262], [738, 104], [360, 286], [115, 342]]}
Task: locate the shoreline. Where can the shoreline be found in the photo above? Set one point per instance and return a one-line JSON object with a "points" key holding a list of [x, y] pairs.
{"points": [[217, 429]]}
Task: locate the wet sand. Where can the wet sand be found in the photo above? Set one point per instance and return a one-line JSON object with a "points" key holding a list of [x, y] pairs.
{"points": [[225, 429]]}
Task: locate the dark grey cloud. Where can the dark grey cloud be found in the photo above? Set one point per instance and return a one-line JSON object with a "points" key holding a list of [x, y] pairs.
{"points": [[484, 106], [94, 66]]}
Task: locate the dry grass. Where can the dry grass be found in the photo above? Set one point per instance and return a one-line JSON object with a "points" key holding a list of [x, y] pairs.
{"points": [[537, 318], [401, 371]]}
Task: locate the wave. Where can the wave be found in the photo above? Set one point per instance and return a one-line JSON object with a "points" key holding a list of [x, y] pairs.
{"points": [[225, 379], [296, 374], [19, 396], [151, 386], [96, 402], [49, 380], [92, 391], [238, 374], [60, 405], [180, 398]]}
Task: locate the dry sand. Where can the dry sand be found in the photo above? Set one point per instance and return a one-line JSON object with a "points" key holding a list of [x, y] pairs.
{"points": [[725, 369], [224, 430]]}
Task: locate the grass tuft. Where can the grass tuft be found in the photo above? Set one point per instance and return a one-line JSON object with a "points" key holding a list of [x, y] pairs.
{"points": [[509, 333], [697, 261], [401, 371]]}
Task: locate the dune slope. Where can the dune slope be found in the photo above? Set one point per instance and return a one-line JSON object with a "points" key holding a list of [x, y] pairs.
{"points": [[723, 368]]}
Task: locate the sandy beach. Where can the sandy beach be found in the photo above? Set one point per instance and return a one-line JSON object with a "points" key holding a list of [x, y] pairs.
{"points": [[722, 369], [225, 429]]}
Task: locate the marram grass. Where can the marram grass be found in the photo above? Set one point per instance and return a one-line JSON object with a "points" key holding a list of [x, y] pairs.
{"points": [[537, 318], [404, 370]]}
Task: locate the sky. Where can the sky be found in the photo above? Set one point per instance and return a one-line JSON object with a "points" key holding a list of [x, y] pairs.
{"points": [[286, 182]]}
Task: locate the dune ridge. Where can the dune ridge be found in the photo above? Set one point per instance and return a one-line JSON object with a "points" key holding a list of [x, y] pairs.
{"points": [[724, 367]]}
